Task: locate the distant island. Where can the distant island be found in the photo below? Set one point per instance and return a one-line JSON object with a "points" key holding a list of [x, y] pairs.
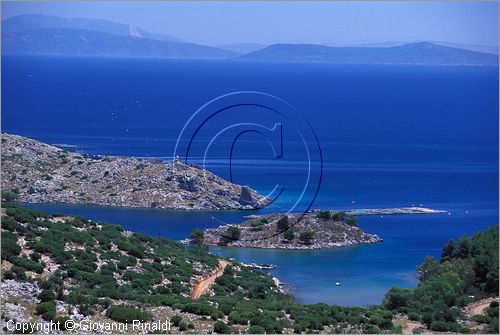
{"points": [[421, 53], [36, 172], [320, 230], [394, 211], [53, 35]]}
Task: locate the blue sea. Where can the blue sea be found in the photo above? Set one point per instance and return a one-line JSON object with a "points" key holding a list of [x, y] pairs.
{"points": [[388, 136]]}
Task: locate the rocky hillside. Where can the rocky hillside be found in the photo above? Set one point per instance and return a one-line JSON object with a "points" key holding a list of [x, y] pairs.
{"points": [[57, 268], [38, 172], [69, 269], [313, 231]]}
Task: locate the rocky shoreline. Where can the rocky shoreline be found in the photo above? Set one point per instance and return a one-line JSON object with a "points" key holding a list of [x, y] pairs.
{"points": [[36, 172], [395, 211], [308, 233]]}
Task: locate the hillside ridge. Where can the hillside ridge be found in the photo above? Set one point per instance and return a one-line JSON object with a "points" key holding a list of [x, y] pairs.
{"points": [[36, 172], [420, 53]]}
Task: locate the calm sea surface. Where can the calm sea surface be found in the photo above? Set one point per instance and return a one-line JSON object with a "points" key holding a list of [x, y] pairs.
{"points": [[390, 136]]}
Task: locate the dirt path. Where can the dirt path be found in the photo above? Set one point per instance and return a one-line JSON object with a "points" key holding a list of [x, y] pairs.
{"points": [[204, 284], [410, 325], [479, 307]]}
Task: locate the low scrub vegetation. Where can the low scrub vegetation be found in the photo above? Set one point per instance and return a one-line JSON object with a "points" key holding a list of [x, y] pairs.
{"points": [[142, 272], [126, 313]]}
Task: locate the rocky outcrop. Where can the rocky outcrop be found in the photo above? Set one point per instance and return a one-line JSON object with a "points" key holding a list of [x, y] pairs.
{"points": [[189, 182], [246, 197], [263, 232], [395, 211], [23, 290], [42, 173]]}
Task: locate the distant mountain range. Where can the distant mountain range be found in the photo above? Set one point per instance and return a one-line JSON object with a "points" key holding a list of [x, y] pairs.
{"points": [[243, 48], [472, 47], [79, 42], [414, 53], [35, 22], [52, 35]]}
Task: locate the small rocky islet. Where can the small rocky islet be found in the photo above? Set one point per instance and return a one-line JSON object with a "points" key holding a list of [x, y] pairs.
{"points": [[320, 230], [37, 172]]}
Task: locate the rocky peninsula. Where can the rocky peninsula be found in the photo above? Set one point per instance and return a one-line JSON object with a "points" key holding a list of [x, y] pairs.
{"points": [[395, 211], [320, 230], [36, 172]]}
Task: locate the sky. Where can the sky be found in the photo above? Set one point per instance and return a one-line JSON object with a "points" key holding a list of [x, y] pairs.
{"points": [[343, 23]]}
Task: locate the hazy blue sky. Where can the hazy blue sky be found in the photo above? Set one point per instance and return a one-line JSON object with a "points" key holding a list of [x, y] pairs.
{"points": [[291, 22]]}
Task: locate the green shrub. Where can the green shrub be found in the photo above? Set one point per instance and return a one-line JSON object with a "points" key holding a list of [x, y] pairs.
{"points": [[27, 264], [397, 298], [326, 215], [381, 318], [175, 320], [231, 234], [351, 220], [480, 319], [256, 329], [126, 313], [492, 311], [493, 326], [236, 317], [183, 325], [338, 216], [198, 308], [8, 223], [46, 309], [440, 326], [20, 272], [35, 256], [221, 328], [225, 307], [369, 329], [306, 236], [9, 195], [10, 249], [289, 234], [197, 236], [283, 223], [47, 295], [414, 316], [24, 215], [465, 330], [9, 274], [257, 225]]}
